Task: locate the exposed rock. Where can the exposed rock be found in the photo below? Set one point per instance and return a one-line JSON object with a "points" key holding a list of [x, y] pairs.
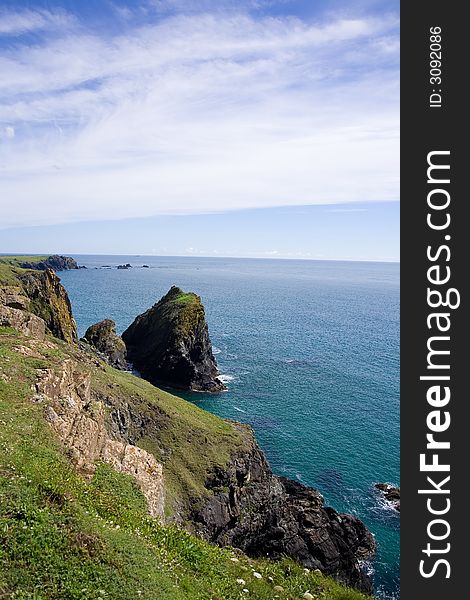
{"points": [[24, 322], [266, 515], [54, 262], [169, 344], [126, 266], [50, 302], [103, 337], [79, 421], [390, 493], [13, 297], [145, 267]]}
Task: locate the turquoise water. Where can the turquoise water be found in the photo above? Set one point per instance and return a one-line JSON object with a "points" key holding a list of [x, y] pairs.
{"points": [[310, 354]]}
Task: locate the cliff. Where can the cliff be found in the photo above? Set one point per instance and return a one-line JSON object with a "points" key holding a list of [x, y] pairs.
{"points": [[49, 301], [36, 292], [88, 452], [169, 344]]}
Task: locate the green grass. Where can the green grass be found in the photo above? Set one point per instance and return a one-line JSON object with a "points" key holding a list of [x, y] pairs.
{"points": [[182, 427], [186, 298], [10, 267], [17, 260], [64, 537]]}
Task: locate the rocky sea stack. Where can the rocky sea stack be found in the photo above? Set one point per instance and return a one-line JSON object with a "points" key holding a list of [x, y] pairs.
{"points": [[169, 344], [103, 337]]}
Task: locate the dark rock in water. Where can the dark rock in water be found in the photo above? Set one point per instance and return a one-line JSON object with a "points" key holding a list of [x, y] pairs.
{"points": [[266, 515], [169, 344], [49, 301], [126, 266], [145, 267], [102, 336], [390, 493], [54, 262]]}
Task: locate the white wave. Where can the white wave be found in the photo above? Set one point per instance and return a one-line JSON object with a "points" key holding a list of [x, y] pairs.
{"points": [[239, 409], [226, 378], [216, 350]]}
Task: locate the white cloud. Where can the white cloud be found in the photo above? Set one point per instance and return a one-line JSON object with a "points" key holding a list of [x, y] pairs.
{"points": [[26, 21], [199, 113]]}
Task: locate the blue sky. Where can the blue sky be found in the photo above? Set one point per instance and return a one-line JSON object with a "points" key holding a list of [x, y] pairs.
{"points": [[122, 119]]}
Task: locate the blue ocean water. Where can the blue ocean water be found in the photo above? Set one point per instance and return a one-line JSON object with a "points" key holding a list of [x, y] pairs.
{"points": [[310, 353]]}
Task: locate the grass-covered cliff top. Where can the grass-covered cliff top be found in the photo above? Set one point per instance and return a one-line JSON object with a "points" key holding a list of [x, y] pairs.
{"points": [[10, 266]]}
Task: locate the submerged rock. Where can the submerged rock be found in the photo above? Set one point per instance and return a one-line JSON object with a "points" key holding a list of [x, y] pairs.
{"points": [[54, 262], [390, 493], [169, 344], [103, 337]]}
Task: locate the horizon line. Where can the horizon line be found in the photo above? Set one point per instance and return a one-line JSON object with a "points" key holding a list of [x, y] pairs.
{"points": [[72, 254]]}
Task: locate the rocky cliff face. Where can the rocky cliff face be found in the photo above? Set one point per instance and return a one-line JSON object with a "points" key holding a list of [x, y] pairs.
{"points": [[54, 262], [49, 301], [169, 344], [102, 336], [79, 421], [265, 515]]}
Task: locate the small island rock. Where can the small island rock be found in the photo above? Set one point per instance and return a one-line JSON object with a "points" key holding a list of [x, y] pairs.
{"points": [[390, 493], [169, 344]]}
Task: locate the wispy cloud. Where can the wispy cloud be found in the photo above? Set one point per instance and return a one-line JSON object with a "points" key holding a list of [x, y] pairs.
{"points": [[194, 113], [19, 22]]}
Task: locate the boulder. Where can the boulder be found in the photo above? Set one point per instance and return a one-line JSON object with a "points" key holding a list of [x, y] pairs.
{"points": [[103, 337], [169, 344]]}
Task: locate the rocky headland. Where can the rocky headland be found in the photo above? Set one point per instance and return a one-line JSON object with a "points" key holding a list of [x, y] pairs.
{"points": [[195, 470], [54, 262], [169, 344]]}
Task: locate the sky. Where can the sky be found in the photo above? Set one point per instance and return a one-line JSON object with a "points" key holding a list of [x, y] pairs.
{"points": [[200, 127]]}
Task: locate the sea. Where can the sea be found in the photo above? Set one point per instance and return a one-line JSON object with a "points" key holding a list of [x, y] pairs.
{"points": [[309, 351]]}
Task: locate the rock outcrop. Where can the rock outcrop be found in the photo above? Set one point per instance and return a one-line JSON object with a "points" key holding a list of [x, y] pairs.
{"points": [[49, 301], [54, 262], [79, 421], [266, 515], [103, 337], [14, 312], [169, 344], [390, 493]]}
